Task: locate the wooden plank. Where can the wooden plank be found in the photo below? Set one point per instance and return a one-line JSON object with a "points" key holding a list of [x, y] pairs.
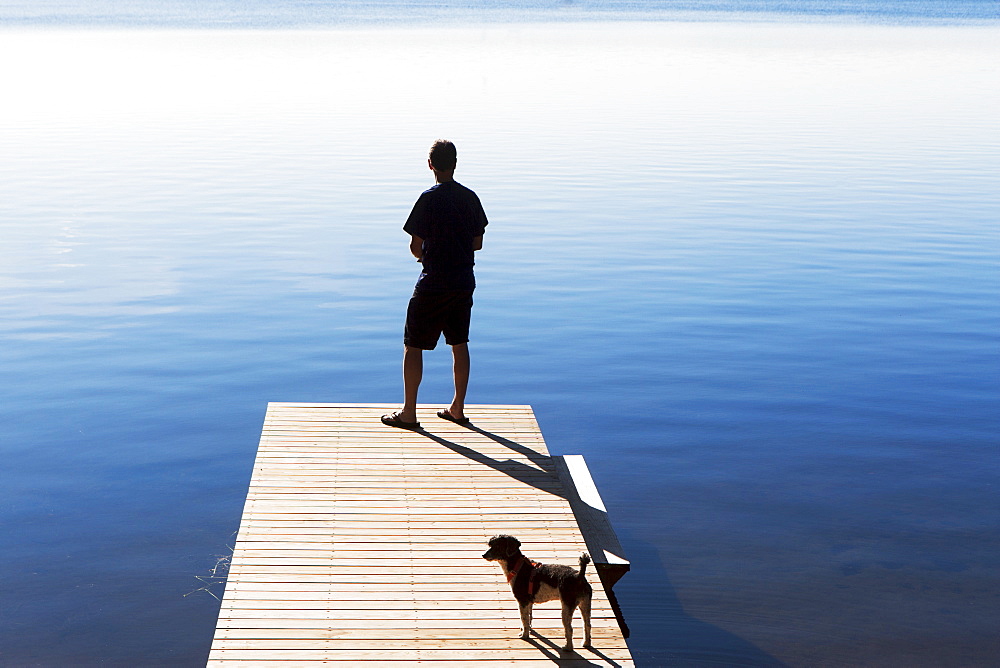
{"points": [[361, 544], [439, 596], [464, 634], [472, 643], [354, 654], [525, 663]]}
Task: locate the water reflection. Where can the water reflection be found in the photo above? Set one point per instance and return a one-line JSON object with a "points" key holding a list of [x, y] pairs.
{"points": [[748, 271]]}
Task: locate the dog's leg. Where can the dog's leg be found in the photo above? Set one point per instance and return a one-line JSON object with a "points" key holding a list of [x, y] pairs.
{"points": [[585, 613], [567, 619], [525, 620]]}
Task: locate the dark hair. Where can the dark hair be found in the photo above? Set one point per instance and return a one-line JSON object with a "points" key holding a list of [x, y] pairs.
{"points": [[443, 155]]}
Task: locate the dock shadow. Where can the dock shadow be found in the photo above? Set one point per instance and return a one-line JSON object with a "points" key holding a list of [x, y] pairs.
{"points": [[663, 634]]}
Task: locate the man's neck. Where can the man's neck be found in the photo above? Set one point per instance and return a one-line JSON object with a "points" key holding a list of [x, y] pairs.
{"points": [[444, 177]]}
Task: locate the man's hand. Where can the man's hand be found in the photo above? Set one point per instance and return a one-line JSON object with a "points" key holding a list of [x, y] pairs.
{"points": [[417, 247]]}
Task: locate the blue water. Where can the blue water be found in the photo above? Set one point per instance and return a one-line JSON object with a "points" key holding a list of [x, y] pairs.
{"points": [[748, 268], [303, 13]]}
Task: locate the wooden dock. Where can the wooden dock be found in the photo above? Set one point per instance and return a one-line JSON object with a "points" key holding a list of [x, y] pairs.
{"points": [[361, 544]]}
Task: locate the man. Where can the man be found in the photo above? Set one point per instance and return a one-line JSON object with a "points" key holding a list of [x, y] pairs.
{"points": [[446, 227]]}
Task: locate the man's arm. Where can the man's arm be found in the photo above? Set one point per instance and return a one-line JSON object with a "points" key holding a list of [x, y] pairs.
{"points": [[417, 246], [477, 243]]}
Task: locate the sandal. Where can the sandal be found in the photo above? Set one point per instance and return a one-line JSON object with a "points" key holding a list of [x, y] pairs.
{"points": [[445, 415], [392, 420]]}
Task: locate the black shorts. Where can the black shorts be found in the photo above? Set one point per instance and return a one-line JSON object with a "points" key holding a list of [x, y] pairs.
{"points": [[432, 312]]}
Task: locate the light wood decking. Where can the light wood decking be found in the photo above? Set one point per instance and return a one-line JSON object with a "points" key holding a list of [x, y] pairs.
{"points": [[361, 544]]}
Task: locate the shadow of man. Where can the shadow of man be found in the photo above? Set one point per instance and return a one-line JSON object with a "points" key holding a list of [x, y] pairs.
{"points": [[540, 473]]}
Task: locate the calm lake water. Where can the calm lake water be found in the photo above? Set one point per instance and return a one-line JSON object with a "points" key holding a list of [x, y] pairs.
{"points": [[749, 269]]}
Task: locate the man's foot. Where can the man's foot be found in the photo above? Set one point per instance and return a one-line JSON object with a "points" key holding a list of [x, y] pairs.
{"points": [[446, 415], [394, 420]]}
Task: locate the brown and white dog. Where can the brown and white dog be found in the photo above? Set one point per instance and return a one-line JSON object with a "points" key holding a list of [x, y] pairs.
{"points": [[533, 583]]}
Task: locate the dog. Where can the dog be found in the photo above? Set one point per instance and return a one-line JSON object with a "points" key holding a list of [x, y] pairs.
{"points": [[533, 583]]}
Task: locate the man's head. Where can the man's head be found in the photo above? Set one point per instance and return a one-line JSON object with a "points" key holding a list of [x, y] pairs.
{"points": [[443, 156]]}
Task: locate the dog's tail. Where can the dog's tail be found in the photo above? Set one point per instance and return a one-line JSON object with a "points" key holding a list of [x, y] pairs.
{"points": [[584, 560]]}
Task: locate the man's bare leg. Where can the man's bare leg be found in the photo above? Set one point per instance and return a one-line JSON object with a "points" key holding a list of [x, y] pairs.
{"points": [[413, 372], [460, 368]]}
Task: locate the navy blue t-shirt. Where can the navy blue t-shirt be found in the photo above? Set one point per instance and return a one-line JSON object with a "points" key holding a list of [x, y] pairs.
{"points": [[448, 217]]}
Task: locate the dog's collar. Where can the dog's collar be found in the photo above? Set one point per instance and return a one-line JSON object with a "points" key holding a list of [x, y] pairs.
{"points": [[512, 573]]}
